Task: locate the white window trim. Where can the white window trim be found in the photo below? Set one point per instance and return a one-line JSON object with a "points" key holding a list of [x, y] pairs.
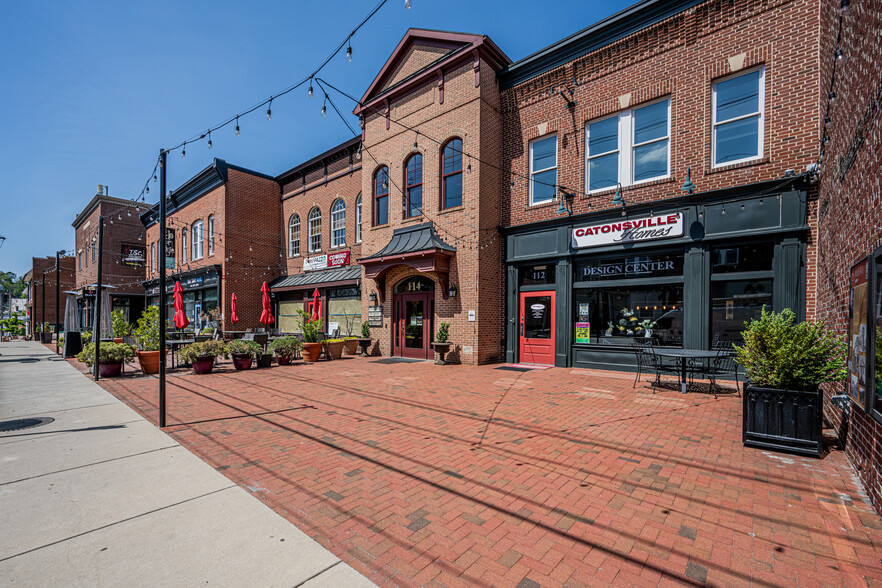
{"points": [[210, 234], [537, 171], [334, 228], [183, 246], [762, 118], [196, 242], [291, 240], [358, 202], [310, 234], [626, 148]]}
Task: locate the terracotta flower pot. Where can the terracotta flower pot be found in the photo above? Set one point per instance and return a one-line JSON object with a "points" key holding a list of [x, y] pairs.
{"points": [[311, 352], [350, 346], [117, 340], [283, 359], [149, 361], [203, 365], [109, 369], [334, 350], [242, 361]]}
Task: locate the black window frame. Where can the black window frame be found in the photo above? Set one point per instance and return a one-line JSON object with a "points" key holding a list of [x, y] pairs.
{"points": [[383, 171]]}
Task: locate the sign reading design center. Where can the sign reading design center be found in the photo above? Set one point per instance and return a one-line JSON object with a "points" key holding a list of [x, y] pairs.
{"points": [[629, 231]]}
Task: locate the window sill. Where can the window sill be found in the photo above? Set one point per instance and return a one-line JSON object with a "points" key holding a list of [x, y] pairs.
{"points": [[383, 226], [723, 168], [548, 204], [412, 219], [452, 209]]}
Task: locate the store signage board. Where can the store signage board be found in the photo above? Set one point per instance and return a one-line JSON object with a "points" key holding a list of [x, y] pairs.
{"points": [[856, 384], [583, 332], [134, 255], [629, 231], [169, 249], [375, 316], [320, 262]]}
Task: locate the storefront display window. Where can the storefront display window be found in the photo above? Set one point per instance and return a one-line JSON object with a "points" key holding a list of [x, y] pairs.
{"points": [[629, 266], [344, 310], [750, 257], [615, 316], [734, 303]]}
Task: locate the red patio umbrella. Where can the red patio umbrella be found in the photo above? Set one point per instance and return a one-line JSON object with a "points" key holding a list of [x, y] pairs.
{"points": [[234, 308], [181, 320], [316, 305], [266, 317]]}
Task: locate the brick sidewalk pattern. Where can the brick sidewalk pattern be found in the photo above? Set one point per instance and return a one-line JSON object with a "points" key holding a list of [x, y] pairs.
{"points": [[417, 474]]}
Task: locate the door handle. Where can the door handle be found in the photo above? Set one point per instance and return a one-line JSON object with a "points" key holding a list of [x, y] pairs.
{"points": [[522, 328]]}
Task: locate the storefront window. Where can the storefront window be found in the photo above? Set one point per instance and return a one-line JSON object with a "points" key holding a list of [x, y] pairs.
{"points": [[288, 316], [344, 311], [629, 266], [750, 257], [615, 316], [734, 303], [533, 275]]}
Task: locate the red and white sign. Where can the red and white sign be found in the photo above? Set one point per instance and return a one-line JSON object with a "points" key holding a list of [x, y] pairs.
{"points": [[320, 262], [629, 230]]}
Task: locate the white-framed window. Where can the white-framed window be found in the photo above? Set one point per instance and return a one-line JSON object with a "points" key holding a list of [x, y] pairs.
{"points": [[315, 230], [197, 236], [153, 257], [543, 170], [294, 235], [183, 245], [358, 219], [338, 223], [81, 260], [738, 117], [629, 147], [211, 234]]}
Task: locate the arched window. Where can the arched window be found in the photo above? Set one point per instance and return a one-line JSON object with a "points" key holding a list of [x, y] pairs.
{"points": [[294, 235], [183, 245], [451, 174], [315, 230], [211, 234], [413, 186], [338, 223], [381, 196], [358, 219], [197, 236]]}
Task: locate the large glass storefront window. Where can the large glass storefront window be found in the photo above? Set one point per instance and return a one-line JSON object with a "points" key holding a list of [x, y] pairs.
{"points": [[741, 285], [641, 265], [617, 315], [344, 310]]}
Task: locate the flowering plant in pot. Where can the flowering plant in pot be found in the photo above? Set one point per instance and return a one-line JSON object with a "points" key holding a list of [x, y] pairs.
{"points": [[334, 348], [441, 345], [311, 329], [243, 353], [202, 355], [786, 362], [284, 349], [111, 356], [147, 336]]}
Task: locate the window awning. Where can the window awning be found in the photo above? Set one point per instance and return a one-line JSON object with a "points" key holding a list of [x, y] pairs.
{"points": [[338, 276]]}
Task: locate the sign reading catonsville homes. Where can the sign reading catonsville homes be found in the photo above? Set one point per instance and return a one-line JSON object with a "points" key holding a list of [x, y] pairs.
{"points": [[629, 230], [320, 262]]}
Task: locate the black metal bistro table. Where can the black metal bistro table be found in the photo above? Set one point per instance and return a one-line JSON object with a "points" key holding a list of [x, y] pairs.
{"points": [[174, 344], [683, 355]]}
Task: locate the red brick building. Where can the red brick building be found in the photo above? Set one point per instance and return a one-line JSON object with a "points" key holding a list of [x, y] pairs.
{"points": [[223, 228], [123, 256], [321, 238], [41, 282], [849, 268]]}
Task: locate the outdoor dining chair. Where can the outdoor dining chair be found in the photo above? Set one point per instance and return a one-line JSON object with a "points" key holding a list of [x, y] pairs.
{"points": [[723, 366]]}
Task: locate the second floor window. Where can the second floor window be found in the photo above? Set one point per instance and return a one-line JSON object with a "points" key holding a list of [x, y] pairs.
{"points": [[543, 170], [94, 252], [358, 219], [315, 230], [338, 224], [381, 196], [629, 147], [737, 106], [451, 174], [294, 236], [413, 186], [153, 257], [197, 236], [211, 234], [81, 259], [183, 245]]}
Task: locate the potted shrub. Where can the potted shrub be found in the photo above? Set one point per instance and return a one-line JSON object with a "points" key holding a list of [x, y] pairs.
{"points": [[110, 359], [334, 348], [441, 345], [785, 363], [350, 345], [202, 355], [284, 349], [311, 330], [121, 327], [243, 353], [147, 336], [365, 340]]}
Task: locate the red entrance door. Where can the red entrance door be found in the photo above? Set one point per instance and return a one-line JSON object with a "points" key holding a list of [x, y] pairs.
{"points": [[412, 327], [536, 329]]}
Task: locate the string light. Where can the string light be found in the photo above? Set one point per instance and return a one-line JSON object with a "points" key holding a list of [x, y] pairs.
{"points": [[348, 51], [310, 89], [209, 139], [325, 106], [838, 54], [407, 4], [269, 111], [184, 151], [237, 126]]}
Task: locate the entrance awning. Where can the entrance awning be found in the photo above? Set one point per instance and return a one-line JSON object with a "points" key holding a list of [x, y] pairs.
{"points": [[417, 246]]}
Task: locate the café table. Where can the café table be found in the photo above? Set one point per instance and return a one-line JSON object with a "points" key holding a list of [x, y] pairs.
{"points": [[233, 334], [683, 356], [175, 343]]}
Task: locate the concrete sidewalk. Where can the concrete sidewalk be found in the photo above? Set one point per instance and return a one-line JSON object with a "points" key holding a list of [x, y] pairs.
{"points": [[102, 497]]}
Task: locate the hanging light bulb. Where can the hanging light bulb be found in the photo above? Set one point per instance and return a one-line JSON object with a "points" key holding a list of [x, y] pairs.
{"points": [[148, 189], [838, 54], [831, 95], [269, 112], [407, 4], [724, 209], [154, 178], [128, 212], [310, 87], [324, 106], [209, 139], [237, 126], [184, 151], [348, 51], [358, 152]]}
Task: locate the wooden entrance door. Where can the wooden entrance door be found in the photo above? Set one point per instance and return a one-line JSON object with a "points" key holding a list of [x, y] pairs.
{"points": [[536, 329], [412, 327]]}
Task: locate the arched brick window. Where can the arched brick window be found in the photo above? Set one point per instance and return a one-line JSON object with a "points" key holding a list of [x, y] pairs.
{"points": [[338, 223], [381, 196], [413, 186], [294, 235], [315, 230], [451, 174]]}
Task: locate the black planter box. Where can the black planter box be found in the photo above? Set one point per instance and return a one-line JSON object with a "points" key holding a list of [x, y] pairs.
{"points": [[46, 337], [265, 360], [783, 420], [73, 344]]}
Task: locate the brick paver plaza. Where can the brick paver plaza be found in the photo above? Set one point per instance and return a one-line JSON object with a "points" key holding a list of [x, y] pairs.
{"points": [[417, 474]]}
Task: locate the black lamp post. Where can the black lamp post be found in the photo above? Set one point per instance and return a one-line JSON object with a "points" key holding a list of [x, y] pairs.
{"points": [[162, 307]]}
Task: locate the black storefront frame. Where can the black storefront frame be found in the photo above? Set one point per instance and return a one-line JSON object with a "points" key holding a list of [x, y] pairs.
{"points": [[211, 275], [780, 216]]}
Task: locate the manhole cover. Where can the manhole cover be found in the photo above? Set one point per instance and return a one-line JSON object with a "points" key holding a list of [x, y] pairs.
{"points": [[19, 424]]}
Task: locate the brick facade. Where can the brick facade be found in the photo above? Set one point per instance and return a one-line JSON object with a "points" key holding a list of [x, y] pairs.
{"points": [[42, 287]]}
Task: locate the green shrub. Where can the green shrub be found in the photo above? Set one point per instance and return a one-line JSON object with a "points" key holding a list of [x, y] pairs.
{"points": [[86, 337], [442, 334], [192, 352], [780, 353], [147, 330], [310, 328], [121, 327], [284, 346], [109, 353], [365, 330], [244, 347]]}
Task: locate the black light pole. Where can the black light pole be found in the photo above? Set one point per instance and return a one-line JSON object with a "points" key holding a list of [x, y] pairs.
{"points": [[96, 330], [43, 307], [162, 307], [57, 295]]}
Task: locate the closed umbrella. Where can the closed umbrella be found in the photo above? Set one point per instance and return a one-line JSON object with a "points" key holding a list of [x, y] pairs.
{"points": [[316, 305], [266, 317], [105, 326], [234, 307], [181, 320]]}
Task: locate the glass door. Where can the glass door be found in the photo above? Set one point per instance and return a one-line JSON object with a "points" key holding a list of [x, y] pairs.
{"points": [[536, 330], [413, 326]]}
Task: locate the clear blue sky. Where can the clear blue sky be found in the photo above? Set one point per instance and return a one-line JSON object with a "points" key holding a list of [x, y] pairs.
{"points": [[90, 91]]}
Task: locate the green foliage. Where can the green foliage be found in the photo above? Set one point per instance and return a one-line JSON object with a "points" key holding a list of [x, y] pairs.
{"points": [[86, 338], [780, 353], [365, 330], [442, 334], [244, 347], [109, 353], [11, 284], [310, 328], [333, 340], [192, 352], [13, 325], [285, 346], [147, 329], [121, 327]]}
